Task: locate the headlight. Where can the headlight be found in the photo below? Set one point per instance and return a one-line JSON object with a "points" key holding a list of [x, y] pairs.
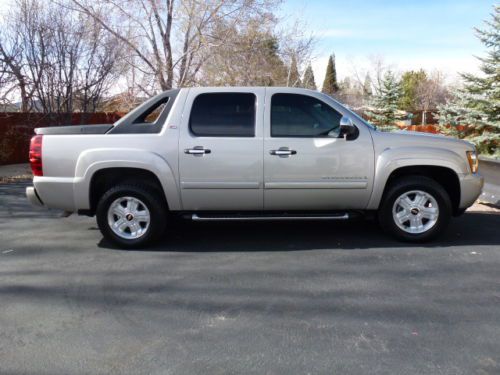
{"points": [[473, 161]]}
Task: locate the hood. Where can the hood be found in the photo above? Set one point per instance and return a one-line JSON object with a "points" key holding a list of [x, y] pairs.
{"points": [[418, 139]]}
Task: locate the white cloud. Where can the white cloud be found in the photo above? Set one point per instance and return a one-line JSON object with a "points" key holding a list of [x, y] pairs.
{"points": [[335, 33], [363, 34]]}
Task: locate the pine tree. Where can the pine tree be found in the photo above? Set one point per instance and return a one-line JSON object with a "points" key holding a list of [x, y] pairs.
{"points": [[309, 82], [385, 103], [474, 111], [293, 74], [367, 86], [330, 85], [410, 83]]}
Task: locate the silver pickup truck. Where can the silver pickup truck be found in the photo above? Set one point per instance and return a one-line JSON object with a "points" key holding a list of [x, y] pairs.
{"points": [[250, 153]]}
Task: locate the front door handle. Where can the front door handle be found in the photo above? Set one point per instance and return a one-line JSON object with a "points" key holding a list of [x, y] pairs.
{"points": [[283, 152], [197, 150]]}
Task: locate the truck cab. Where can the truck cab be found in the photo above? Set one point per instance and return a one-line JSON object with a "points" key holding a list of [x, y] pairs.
{"points": [[286, 155]]}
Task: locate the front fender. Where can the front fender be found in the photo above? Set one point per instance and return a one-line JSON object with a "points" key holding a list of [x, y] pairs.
{"points": [[91, 161], [392, 159]]}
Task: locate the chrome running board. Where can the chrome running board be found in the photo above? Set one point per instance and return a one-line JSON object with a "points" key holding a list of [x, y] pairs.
{"points": [[264, 217]]}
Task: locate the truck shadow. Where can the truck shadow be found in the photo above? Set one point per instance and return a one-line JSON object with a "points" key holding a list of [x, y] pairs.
{"points": [[469, 229]]}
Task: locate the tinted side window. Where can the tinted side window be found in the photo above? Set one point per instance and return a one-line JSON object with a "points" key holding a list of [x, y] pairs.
{"points": [[294, 115], [223, 115], [152, 113]]}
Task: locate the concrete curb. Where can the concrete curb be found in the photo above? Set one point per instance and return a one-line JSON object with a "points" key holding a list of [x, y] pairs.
{"points": [[488, 160], [490, 169]]}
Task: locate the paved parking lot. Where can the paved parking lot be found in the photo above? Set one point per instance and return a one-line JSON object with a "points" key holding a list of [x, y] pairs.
{"points": [[267, 298]]}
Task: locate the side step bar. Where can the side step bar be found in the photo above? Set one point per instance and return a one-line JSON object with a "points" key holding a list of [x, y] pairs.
{"points": [[264, 217]]}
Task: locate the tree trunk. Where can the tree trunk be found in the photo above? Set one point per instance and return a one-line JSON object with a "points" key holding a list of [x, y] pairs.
{"points": [[24, 96]]}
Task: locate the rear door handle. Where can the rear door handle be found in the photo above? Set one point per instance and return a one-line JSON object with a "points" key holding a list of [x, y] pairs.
{"points": [[197, 150], [283, 152]]}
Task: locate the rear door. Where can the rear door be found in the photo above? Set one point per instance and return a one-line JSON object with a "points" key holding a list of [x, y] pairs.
{"points": [[306, 165], [221, 150]]}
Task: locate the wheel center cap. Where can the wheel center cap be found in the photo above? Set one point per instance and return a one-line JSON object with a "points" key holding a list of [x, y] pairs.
{"points": [[129, 217], [414, 211]]}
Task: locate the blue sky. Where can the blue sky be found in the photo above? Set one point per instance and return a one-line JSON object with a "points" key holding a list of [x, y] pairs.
{"points": [[407, 34]]}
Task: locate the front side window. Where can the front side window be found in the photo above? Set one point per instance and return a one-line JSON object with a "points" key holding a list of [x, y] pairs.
{"points": [[223, 115], [294, 115]]}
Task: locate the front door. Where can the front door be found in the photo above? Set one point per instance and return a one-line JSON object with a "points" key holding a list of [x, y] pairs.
{"points": [[306, 165], [220, 150]]}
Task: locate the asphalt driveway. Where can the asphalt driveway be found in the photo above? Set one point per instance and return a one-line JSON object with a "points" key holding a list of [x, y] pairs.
{"points": [[267, 298]]}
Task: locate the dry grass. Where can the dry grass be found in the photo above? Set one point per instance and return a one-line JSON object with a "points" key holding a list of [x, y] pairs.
{"points": [[6, 180]]}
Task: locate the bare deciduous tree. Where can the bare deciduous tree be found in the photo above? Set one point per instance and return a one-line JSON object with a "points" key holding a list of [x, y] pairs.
{"points": [[12, 41], [250, 57], [7, 85], [61, 61], [170, 41], [296, 49], [376, 68], [431, 93]]}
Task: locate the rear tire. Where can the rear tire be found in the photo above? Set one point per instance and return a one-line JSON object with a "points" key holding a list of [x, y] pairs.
{"points": [[131, 216], [415, 209]]}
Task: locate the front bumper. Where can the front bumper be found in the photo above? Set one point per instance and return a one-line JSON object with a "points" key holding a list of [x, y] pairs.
{"points": [[33, 197], [471, 186]]}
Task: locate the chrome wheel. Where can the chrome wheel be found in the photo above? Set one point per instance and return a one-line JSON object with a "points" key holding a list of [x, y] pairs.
{"points": [[128, 218], [415, 211]]}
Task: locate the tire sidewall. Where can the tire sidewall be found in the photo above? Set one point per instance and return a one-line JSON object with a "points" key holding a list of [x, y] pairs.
{"points": [[427, 185], [156, 210]]}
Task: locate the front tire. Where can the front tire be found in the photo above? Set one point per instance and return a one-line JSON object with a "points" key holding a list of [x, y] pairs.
{"points": [[131, 216], [415, 209]]}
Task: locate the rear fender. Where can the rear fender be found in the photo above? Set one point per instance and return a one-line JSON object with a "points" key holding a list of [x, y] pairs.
{"points": [[91, 161]]}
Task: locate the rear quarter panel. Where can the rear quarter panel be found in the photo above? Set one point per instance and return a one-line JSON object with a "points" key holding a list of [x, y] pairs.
{"points": [[69, 161]]}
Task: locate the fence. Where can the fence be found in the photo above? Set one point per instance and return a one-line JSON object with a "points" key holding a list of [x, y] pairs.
{"points": [[434, 129], [16, 129], [430, 117]]}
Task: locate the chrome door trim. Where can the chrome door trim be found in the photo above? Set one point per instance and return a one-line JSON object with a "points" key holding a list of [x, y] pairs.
{"points": [[220, 185], [316, 185]]}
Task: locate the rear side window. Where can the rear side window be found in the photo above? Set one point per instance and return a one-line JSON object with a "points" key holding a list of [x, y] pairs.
{"points": [[294, 115], [152, 113], [223, 115]]}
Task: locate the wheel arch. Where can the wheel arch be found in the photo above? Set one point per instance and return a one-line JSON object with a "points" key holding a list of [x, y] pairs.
{"points": [[104, 179], [444, 176], [442, 166], [103, 168]]}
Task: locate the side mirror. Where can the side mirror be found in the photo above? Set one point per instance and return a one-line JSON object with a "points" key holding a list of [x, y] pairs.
{"points": [[347, 129]]}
